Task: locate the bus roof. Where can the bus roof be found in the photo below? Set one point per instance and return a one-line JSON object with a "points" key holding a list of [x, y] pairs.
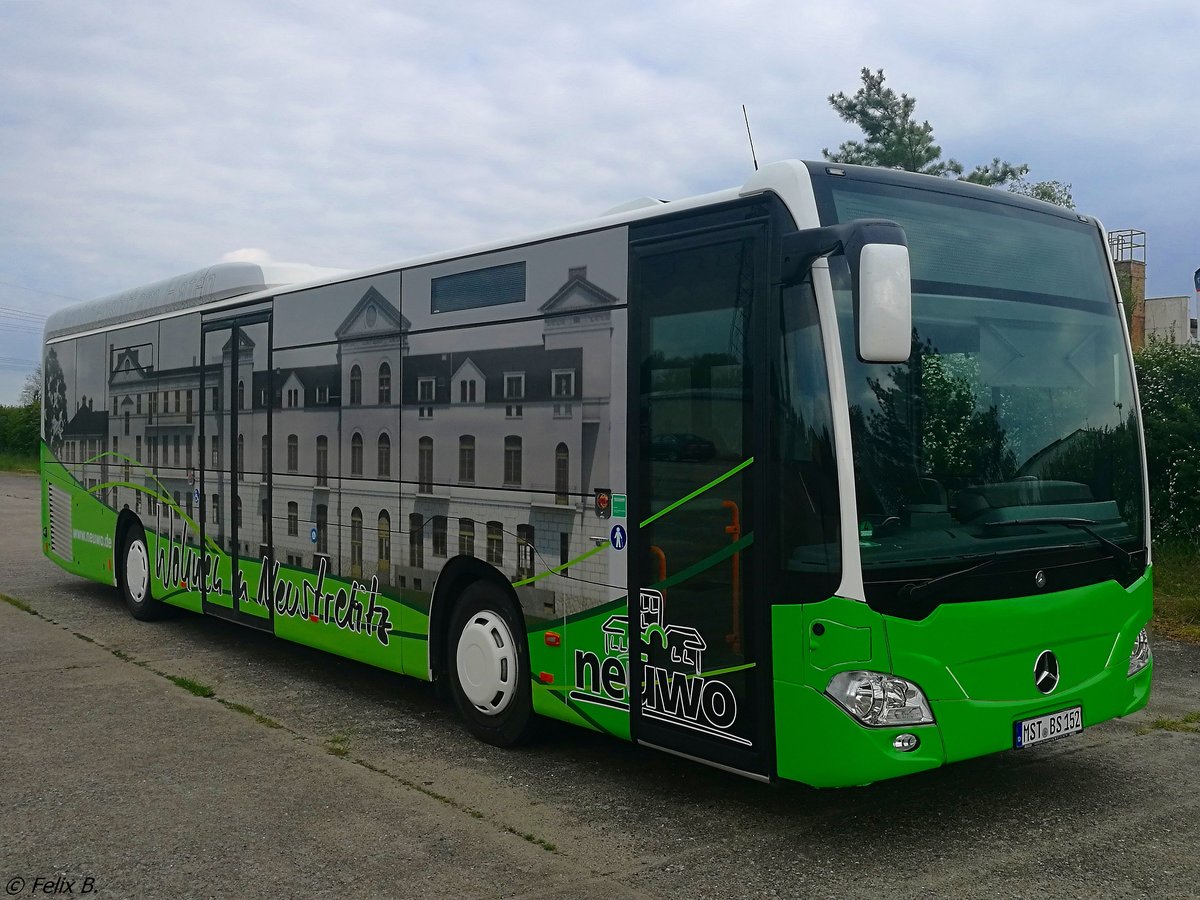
{"points": [[225, 281], [790, 179], [217, 282]]}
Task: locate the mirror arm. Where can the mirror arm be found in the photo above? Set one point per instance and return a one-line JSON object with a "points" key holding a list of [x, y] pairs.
{"points": [[802, 248]]}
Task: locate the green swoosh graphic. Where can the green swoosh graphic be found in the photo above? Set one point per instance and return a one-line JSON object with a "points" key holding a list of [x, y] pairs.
{"points": [[653, 518]]}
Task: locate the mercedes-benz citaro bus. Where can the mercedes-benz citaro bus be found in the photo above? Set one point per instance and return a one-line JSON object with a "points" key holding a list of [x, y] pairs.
{"points": [[832, 477]]}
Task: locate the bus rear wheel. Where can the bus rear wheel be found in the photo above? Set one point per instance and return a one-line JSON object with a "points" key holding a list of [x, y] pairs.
{"points": [[135, 576], [489, 666]]}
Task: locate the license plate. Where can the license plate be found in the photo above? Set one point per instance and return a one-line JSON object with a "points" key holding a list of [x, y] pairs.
{"points": [[1028, 732]]}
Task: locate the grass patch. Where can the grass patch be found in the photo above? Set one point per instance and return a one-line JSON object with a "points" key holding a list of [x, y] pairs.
{"points": [[17, 462], [1189, 723], [338, 745], [194, 687], [545, 845], [1177, 591], [532, 838], [248, 711], [19, 604]]}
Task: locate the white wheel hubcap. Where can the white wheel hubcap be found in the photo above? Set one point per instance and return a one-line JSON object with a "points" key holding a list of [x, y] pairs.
{"points": [[487, 663], [137, 571]]}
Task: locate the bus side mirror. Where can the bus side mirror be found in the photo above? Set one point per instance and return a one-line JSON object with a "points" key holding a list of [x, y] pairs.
{"points": [[877, 253], [883, 303]]}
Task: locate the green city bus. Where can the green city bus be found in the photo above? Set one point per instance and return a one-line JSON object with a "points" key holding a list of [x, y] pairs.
{"points": [[833, 477]]}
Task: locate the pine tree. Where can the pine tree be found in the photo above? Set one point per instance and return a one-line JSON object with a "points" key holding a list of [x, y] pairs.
{"points": [[895, 140]]}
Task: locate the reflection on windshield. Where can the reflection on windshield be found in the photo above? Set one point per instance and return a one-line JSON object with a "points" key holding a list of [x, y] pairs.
{"points": [[1016, 404], [1005, 410]]}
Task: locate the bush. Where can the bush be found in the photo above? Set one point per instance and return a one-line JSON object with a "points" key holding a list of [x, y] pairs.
{"points": [[1169, 385], [20, 430]]}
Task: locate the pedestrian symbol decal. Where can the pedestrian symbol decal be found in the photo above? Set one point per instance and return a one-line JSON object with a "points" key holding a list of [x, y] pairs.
{"points": [[617, 537]]}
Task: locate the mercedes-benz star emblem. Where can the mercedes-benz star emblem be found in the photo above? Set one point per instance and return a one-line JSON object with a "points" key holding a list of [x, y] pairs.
{"points": [[1040, 579], [1045, 672]]}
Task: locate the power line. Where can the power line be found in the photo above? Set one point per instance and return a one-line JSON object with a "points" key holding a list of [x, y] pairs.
{"points": [[22, 313], [14, 364], [21, 287], [22, 321]]}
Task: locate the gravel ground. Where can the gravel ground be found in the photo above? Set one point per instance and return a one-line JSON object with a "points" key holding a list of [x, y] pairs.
{"points": [[369, 785]]}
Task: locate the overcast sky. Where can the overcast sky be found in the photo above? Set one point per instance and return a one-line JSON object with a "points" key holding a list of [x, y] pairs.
{"points": [[143, 140]]}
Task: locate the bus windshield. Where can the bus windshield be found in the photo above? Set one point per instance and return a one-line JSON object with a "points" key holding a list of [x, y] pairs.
{"points": [[1012, 425]]}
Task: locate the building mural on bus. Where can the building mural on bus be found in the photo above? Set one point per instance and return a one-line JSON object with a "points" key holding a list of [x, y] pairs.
{"points": [[396, 443]]}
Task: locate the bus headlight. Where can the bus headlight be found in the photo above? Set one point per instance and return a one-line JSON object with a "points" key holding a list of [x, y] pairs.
{"points": [[876, 699], [1141, 653]]}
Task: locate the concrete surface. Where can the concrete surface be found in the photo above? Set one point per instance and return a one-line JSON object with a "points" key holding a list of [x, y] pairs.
{"points": [[114, 772]]}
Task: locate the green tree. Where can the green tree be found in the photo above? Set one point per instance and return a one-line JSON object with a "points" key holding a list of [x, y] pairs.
{"points": [[31, 390], [19, 424], [928, 421], [1167, 377], [959, 434], [1056, 192], [894, 139]]}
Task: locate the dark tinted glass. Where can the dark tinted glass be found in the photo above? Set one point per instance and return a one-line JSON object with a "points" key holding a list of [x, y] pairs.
{"points": [[493, 286]]}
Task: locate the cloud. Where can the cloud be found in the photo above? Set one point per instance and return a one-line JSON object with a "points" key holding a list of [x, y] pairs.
{"points": [[141, 142]]}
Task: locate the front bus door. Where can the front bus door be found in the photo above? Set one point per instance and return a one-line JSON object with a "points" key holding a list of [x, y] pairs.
{"points": [[698, 631], [235, 464]]}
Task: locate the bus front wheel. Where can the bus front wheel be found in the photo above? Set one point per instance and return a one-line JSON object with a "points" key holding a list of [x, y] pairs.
{"points": [[135, 576], [489, 666]]}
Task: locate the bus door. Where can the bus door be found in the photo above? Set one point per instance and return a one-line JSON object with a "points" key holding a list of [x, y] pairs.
{"points": [[237, 394], [698, 630]]}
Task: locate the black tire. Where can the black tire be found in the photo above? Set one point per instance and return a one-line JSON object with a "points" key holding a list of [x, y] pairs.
{"points": [[134, 562], [487, 664]]}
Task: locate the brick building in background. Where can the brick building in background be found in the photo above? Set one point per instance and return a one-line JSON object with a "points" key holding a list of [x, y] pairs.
{"points": [[1149, 318]]}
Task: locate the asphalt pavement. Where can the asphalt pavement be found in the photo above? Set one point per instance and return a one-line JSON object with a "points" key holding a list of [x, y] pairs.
{"points": [[308, 775]]}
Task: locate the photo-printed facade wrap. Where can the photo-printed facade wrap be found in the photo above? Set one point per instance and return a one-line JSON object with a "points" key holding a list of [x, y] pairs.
{"points": [[376, 439]]}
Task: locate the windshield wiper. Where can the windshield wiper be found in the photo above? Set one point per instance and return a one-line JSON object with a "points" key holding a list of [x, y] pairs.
{"points": [[1115, 551], [917, 591]]}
